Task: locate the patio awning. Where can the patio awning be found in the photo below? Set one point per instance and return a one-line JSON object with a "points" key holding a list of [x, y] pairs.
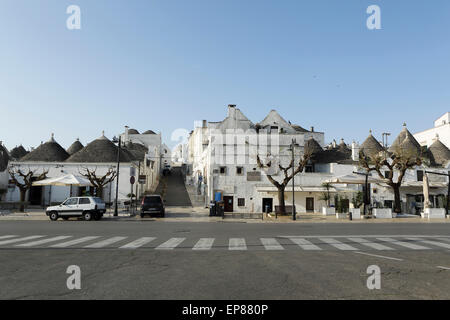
{"points": [[66, 180], [353, 179]]}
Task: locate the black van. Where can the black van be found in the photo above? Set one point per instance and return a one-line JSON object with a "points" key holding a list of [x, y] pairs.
{"points": [[152, 204]]}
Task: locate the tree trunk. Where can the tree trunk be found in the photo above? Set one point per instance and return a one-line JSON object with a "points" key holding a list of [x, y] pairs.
{"points": [[100, 192], [281, 203], [398, 200], [23, 193]]}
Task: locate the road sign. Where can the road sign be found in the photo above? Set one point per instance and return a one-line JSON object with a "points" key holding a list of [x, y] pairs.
{"points": [[132, 180]]}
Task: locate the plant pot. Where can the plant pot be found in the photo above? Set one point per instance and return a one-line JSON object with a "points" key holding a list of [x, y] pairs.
{"points": [[383, 213], [356, 213], [435, 213], [326, 211]]}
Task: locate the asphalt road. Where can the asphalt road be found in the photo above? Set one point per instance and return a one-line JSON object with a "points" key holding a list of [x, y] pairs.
{"points": [[223, 260]]}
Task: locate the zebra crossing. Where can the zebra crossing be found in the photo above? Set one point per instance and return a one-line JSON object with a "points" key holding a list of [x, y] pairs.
{"points": [[280, 243]]}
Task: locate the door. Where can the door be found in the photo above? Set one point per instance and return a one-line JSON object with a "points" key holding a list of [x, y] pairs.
{"points": [[228, 203], [35, 197], [267, 205], [69, 207], [310, 204]]}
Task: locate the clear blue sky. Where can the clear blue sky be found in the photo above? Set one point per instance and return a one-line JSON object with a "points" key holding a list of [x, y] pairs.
{"points": [[163, 64]]}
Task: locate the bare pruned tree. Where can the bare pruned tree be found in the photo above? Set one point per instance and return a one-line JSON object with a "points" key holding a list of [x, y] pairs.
{"points": [[396, 164], [99, 181], [23, 179], [287, 176]]}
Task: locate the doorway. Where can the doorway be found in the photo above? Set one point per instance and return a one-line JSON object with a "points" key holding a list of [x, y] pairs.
{"points": [[35, 197], [267, 205], [228, 203], [309, 204]]}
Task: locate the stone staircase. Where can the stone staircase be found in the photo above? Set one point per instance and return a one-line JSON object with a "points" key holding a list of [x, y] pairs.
{"points": [[196, 199]]}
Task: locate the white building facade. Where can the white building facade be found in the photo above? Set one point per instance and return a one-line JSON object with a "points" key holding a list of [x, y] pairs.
{"points": [[440, 130]]}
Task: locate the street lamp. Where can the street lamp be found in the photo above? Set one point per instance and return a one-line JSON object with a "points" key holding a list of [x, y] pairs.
{"points": [[118, 141], [291, 148]]}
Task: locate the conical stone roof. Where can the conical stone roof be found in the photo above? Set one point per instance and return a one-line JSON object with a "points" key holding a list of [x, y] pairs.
{"points": [[133, 131], [4, 158], [50, 151], [405, 142], [136, 151], [149, 132], [371, 147], [439, 153], [312, 147], [75, 147], [99, 150], [18, 152]]}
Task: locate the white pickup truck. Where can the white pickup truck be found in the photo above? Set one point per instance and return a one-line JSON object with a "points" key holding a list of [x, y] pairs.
{"points": [[86, 207]]}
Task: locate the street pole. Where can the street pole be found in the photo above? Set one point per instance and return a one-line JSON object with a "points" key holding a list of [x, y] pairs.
{"points": [[293, 187], [116, 212]]}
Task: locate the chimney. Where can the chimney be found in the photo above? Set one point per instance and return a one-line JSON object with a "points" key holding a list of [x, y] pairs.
{"points": [[126, 133], [355, 151], [204, 124], [232, 110], [312, 129]]}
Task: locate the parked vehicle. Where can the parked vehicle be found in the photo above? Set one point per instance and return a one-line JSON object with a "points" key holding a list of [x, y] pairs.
{"points": [[87, 208], [152, 204]]}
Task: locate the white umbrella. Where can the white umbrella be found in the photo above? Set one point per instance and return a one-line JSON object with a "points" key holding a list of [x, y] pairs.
{"points": [[66, 180], [426, 192], [353, 179]]}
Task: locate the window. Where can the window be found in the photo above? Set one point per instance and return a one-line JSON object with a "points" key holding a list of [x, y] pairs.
{"points": [[223, 170], [85, 201], [241, 202], [239, 171], [386, 174], [71, 202], [419, 175], [375, 190], [309, 168]]}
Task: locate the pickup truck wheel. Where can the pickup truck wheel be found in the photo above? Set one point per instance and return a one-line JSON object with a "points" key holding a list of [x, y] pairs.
{"points": [[87, 216], [53, 216]]}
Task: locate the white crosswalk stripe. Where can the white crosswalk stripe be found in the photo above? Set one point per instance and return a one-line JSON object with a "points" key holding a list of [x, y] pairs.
{"points": [[271, 244], [237, 244], [138, 243], [370, 244], [106, 242], [304, 244], [170, 244], [204, 244], [434, 243], [73, 242], [403, 244], [6, 237], [19, 239], [43, 241], [337, 244]]}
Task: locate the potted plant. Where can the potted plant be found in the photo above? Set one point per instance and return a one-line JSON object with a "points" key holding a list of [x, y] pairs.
{"points": [[357, 202], [326, 196]]}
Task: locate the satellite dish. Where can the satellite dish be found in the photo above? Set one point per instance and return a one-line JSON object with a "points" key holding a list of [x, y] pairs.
{"points": [[4, 158]]}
